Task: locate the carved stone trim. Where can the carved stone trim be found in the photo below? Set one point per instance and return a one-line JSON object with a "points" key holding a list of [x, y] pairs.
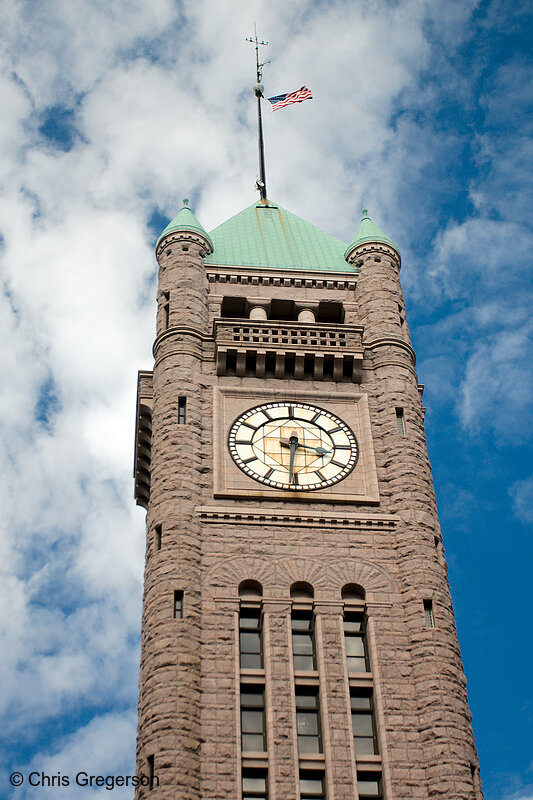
{"points": [[220, 515]]}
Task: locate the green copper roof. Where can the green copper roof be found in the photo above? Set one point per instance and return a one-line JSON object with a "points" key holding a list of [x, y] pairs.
{"points": [[267, 235], [368, 231], [185, 221]]}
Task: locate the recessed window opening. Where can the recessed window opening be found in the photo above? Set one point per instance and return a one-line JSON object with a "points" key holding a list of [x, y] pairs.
{"points": [[150, 760], [302, 591], [428, 612], [307, 721], [234, 308], [355, 643], [251, 639], [312, 786], [303, 641], [400, 421], [330, 312], [250, 363], [283, 310], [328, 366], [166, 310], [182, 406], [231, 362], [254, 784], [270, 365], [253, 719], [250, 590], [354, 592], [158, 536], [178, 604], [363, 723]]}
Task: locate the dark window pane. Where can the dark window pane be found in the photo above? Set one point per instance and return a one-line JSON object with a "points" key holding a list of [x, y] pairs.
{"points": [[254, 742], [312, 785], [364, 746], [360, 701], [356, 664], [355, 646], [353, 625], [302, 644], [251, 661], [307, 722], [308, 744], [368, 786], [252, 721], [362, 724], [306, 700], [302, 623], [250, 642], [304, 662], [252, 699], [249, 623], [254, 783]]}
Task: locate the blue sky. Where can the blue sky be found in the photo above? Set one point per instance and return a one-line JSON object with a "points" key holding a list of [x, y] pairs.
{"points": [[112, 113]]}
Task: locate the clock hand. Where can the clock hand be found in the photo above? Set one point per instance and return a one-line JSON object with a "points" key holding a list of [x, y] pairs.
{"points": [[293, 444], [320, 450]]}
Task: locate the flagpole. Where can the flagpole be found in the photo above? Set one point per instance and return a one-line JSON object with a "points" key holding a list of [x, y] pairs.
{"points": [[261, 184], [258, 91]]}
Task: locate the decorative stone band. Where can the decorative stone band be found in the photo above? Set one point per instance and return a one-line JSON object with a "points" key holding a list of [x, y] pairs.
{"points": [[391, 341], [360, 250], [228, 516], [321, 280], [182, 237]]}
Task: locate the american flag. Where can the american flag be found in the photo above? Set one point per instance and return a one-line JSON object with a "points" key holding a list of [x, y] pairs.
{"points": [[282, 100]]}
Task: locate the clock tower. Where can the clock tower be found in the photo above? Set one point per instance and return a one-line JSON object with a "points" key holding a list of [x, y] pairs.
{"points": [[298, 639]]}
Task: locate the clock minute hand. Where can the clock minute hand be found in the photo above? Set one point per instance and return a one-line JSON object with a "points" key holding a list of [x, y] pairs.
{"points": [[320, 450], [293, 444]]}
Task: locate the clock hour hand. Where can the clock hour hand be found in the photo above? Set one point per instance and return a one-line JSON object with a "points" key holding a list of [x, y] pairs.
{"points": [[320, 450]]}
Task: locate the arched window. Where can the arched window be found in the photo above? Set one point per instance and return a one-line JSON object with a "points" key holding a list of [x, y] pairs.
{"points": [[302, 591], [250, 590], [352, 591]]}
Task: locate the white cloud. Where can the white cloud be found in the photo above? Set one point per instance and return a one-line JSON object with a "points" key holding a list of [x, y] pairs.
{"points": [[102, 747], [522, 494]]}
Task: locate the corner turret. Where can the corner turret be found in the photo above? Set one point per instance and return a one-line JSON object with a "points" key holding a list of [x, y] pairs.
{"points": [[367, 234], [186, 222]]}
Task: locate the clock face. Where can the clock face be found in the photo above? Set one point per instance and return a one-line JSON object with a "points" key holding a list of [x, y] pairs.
{"points": [[293, 446]]}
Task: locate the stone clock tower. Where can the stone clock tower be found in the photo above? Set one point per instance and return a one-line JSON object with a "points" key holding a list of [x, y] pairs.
{"points": [[298, 639]]}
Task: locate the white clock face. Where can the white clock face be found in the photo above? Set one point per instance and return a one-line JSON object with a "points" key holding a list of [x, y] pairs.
{"points": [[293, 446]]}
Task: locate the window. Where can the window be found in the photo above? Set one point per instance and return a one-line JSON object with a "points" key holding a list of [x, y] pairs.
{"points": [[428, 612], [363, 723], [158, 534], [182, 403], [400, 421], [251, 643], [166, 309], [312, 786], [303, 644], [178, 605], [254, 784], [151, 771], [253, 719], [307, 721], [354, 638], [369, 786]]}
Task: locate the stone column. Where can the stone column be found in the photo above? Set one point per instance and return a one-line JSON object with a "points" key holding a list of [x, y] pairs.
{"points": [[406, 489], [169, 704]]}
